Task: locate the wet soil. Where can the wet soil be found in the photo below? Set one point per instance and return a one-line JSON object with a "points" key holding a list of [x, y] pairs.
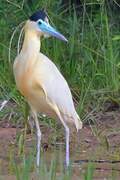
{"points": [[98, 143]]}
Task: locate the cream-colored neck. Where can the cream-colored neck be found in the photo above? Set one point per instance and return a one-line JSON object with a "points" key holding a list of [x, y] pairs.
{"points": [[31, 44]]}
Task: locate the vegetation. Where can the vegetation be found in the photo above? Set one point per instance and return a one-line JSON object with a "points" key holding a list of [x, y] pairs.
{"points": [[90, 61]]}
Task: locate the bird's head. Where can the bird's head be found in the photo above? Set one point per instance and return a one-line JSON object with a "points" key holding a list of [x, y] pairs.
{"points": [[39, 22]]}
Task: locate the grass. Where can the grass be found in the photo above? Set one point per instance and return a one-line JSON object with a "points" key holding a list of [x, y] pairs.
{"points": [[54, 169], [89, 61], [26, 170]]}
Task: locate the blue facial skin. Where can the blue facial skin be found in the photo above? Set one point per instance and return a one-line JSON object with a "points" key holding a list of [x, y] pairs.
{"points": [[46, 28]]}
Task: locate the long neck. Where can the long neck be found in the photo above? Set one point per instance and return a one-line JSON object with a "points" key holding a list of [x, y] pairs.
{"points": [[31, 44]]}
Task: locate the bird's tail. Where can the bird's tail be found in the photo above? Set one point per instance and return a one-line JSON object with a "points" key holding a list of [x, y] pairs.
{"points": [[78, 122], [73, 119]]}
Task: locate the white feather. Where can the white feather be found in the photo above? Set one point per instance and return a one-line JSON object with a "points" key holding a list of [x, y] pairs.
{"points": [[57, 89]]}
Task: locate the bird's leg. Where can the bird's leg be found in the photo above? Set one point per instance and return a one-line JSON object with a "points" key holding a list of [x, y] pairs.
{"points": [[38, 138], [67, 146], [67, 136], [31, 123]]}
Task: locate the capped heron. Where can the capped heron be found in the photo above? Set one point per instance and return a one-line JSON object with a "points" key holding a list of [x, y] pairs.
{"points": [[40, 82]]}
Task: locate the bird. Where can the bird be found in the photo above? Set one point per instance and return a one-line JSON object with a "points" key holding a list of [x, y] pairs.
{"points": [[41, 83]]}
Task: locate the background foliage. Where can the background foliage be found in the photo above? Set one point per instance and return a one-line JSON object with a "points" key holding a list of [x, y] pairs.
{"points": [[90, 61]]}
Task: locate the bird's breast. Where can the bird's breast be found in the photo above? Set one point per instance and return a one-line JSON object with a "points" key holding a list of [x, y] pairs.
{"points": [[23, 72], [26, 83], [23, 82]]}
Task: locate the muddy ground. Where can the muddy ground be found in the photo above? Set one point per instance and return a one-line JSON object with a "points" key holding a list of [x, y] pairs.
{"points": [[98, 142]]}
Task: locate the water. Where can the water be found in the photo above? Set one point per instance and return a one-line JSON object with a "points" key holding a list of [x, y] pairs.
{"points": [[85, 150]]}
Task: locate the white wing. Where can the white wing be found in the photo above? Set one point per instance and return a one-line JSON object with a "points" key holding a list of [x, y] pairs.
{"points": [[57, 89]]}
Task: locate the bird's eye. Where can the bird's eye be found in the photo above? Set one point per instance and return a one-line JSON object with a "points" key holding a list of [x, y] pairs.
{"points": [[39, 22]]}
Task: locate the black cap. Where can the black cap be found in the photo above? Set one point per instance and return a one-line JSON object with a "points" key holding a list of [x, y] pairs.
{"points": [[41, 14]]}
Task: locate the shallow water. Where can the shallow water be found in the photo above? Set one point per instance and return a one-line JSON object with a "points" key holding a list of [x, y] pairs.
{"points": [[98, 144], [86, 148]]}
